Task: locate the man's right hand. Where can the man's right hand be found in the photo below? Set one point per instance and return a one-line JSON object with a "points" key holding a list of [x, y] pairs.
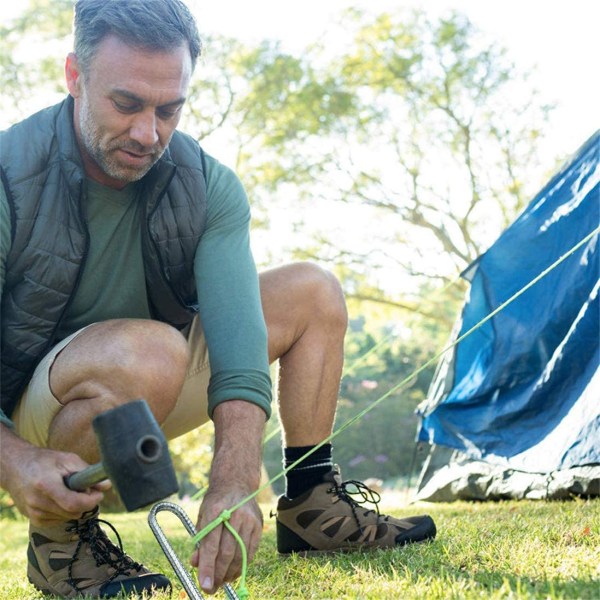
{"points": [[34, 478]]}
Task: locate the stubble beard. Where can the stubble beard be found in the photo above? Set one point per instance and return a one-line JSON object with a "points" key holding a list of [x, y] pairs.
{"points": [[103, 153]]}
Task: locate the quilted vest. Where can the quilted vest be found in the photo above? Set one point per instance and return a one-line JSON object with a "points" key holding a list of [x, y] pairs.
{"points": [[43, 177]]}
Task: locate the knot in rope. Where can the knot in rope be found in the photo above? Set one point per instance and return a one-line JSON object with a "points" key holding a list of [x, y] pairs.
{"points": [[225, 515]]}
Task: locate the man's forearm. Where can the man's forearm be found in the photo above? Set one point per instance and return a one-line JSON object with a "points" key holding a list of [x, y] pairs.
{"points": [[239, 429]]}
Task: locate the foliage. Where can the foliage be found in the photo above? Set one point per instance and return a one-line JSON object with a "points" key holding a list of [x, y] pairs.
{"points": [[192, 455], [8, 510], [42, 30], [397, 146], [403, 125], [421, 129], [381, 444], [506, 550]]}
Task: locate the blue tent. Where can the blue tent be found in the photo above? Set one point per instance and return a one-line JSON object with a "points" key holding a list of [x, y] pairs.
{"points": [[521, 394]]}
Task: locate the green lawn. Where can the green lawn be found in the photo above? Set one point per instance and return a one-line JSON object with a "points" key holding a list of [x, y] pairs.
{"points": [[487, 550]]}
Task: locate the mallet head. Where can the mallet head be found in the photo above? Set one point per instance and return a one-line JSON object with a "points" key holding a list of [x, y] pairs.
{"points": [[135, 454]]}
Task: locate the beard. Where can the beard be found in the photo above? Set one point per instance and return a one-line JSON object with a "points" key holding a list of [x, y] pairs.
{"points": [[104, 152]]}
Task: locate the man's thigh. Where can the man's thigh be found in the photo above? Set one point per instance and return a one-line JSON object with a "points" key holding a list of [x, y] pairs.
{"points": [[38, 405]]}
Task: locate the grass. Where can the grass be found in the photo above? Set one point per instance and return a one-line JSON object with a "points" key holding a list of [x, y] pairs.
{"points": [[512, 550]]}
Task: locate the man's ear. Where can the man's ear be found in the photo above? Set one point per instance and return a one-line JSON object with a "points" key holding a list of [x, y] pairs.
{"points": [[73, 75]]}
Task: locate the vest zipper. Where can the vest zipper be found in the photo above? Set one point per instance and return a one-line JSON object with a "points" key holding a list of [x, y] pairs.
{"points": [[162, 271]]}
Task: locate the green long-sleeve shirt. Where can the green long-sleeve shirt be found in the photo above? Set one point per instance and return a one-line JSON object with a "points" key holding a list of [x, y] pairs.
{"points": [[113, 284]]}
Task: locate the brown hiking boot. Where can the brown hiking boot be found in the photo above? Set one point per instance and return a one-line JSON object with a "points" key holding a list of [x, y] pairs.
{"points": [[77, 558], [327, 518]]}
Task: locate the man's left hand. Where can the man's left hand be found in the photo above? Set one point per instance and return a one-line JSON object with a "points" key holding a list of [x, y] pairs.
{"points": [[234, 475], [219, 558]]}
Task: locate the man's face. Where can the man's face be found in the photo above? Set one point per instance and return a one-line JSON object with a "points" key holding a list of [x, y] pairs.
{"points": [[127, 107]]}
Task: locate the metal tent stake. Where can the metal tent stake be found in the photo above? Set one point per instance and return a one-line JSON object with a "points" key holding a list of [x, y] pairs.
{"points": [[184, 577]]}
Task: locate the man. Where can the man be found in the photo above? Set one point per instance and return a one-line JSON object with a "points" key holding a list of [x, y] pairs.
{"points": [[125, 268]]}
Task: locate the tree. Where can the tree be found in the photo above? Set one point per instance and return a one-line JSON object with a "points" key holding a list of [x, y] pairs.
{"points": [[32, 56], [422, 130], [398, 154], [404, 149]]}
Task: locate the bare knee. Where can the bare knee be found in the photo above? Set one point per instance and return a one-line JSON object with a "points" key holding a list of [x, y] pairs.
{"points": [[324, 295], [119, 360], [301, 297]]}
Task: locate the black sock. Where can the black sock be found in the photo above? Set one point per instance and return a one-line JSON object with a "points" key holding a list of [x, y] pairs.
{"points": [[307, 473]]}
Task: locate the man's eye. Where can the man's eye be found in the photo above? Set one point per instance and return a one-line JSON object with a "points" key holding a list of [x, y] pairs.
{"points": [[125, 108], [168, 114]]}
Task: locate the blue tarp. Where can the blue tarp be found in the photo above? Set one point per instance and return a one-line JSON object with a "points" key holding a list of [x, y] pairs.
{"points": [[523, 390]]}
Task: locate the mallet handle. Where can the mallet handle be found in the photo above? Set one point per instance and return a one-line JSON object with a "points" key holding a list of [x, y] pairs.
{"points": [[87, 478]]}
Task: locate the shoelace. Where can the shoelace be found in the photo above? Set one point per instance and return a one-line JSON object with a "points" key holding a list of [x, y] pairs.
{"points": [[102, 548], [345, 492], [364, 492]]}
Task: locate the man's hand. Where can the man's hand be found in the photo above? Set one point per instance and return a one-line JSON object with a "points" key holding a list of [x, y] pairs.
{"points": [[34, 478], [235, 474], [219, 558]]}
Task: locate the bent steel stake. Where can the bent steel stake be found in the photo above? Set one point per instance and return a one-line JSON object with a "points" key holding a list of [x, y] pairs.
{"points": [[184, 577]]}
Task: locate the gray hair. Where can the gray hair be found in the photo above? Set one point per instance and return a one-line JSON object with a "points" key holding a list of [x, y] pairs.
{"points": [[147, 24]]}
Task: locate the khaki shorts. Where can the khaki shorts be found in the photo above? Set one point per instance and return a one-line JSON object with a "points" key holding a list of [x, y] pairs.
{"points": [[38, 406]]}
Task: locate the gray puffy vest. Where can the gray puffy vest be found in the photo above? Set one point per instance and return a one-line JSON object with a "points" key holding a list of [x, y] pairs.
{"points": [[43, 177]]}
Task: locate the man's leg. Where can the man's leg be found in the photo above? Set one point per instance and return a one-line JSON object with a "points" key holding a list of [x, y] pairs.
{"points": [[107, 364], [306, 319]]}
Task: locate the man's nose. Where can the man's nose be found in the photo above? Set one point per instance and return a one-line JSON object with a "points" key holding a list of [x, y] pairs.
{"points": [[143, 129]]}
